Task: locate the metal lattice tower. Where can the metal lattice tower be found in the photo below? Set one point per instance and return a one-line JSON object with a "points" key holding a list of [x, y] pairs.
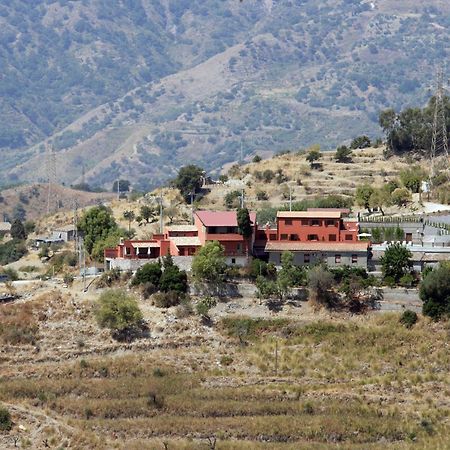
{"points": [[439, 143], [51, 177]]}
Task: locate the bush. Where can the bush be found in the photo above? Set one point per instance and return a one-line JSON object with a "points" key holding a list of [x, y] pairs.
{"points": [[184, 309], [435, 293], [68, 278], [226, 360], [408, 318], [118, 311], [10, 273], [407, 281], [166, 299], [389, 281], [204, 305], [257, 159], [172, 278], [148, 273], [148, 289], [5, 419]]}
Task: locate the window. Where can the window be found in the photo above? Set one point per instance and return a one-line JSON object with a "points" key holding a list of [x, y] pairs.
{"points": [[284, 237], [294, 237], [332, 237], [337, 259], [305, 222], [272, 237], [288, 222], [315, 222], [238, 247], [307, 258], [313, 237], [329, 223], [233, 260], [349, 237], [354, 259]]}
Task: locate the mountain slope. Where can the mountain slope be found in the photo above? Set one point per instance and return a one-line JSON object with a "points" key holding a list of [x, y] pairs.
{"points": [[195, 80]]}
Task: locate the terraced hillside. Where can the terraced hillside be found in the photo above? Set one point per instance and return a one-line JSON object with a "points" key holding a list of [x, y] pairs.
{"points": [[134, 88], [304, 380]]}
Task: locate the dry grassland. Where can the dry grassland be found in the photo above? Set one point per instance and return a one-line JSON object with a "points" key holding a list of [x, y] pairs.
{"points": [[348, 383]]}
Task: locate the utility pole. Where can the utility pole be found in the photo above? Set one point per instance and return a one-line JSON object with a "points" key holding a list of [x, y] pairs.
{"points": [[242, 198], [161, 224], [290, 197]]}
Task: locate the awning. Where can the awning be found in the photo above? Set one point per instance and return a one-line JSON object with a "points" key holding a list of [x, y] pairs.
{"points": [[145, 245]]}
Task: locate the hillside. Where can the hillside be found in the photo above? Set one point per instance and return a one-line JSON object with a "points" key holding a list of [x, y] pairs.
{"points": [[32, 201], [134, 88]]}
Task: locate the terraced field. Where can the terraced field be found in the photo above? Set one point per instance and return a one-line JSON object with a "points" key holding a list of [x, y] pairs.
{"points": [[295, 382]]}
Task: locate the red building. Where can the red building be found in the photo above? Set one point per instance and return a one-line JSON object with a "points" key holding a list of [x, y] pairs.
{"points": [[324, 225], [222, 226]]}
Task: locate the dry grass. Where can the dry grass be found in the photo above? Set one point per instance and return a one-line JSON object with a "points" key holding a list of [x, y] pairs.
{"points": [[360, 383]]}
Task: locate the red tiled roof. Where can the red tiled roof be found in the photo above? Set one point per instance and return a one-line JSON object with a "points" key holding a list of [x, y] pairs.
{"points": [[221, 218], [316, 246]]}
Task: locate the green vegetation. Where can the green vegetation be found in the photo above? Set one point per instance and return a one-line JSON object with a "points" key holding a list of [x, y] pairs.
{"points": [[97, 224], [343, 154], [119, 312], [244, 223], [409, 318], [148, 273], [435, 292], [189, 181], [209, 264], [396, 261], [12, 251], [5, 419]]}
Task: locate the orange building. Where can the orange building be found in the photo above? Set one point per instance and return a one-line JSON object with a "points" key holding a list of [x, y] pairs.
{"points": [[222, 226], [319, 225]]}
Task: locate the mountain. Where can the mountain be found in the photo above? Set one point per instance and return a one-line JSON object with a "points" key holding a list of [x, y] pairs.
{"points": [[137, 88]]}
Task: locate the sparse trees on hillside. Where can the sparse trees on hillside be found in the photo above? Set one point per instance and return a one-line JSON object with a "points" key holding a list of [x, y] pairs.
{"points": [[343, 154], [18, 230], [313, 156], [189, 181], [147, 213], [360, 142], [130, 216], [363, 195]]}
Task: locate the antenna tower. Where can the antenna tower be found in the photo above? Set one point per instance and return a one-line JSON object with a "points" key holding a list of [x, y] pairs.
{"points": [[439, 142], [51, 177]]}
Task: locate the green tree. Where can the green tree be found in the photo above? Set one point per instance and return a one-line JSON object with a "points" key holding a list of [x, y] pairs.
{"points": [[380, 198], [148, 273], [172, 278], [396, 261], [124, 186], [319, 281], [130, 216], [412, 178], [399, 233], [244, 223], [118, 311], [6, 422], [435, 292], [313, 156], [363, 195], [360, 142], [401, 196], [209, 264], [343, 154], [18, 230], [147, 213], [96, 224], [289, 275], [189, 180]]}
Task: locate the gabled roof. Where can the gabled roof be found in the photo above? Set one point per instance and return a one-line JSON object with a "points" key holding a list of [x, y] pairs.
{"points": [[221, 218], [284, 246], [322, 214]]}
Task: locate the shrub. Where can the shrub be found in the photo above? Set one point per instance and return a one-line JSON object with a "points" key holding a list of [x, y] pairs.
{"points": [[148, 289], [226, 360], [68, 278], [184, 309], [406, 280], [408, 318], [166, 299], [257, 159], [148, 273], [204, 305], [18, 325], [389, 281], [5, 419], [118, 311], [435, 292], [396, 261], [172, 278], [10, 273]]}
